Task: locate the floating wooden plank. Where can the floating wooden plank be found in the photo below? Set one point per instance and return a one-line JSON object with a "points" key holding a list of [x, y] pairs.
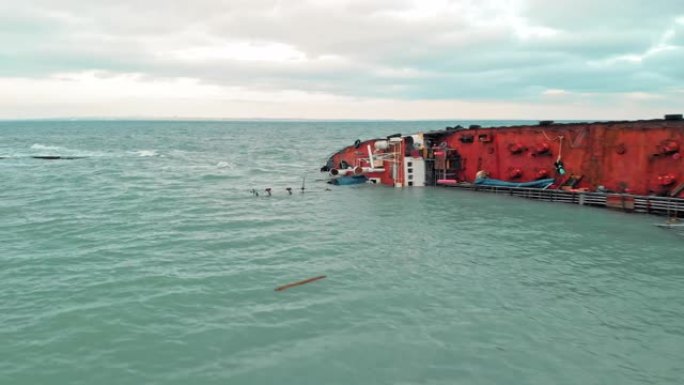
{"points": [[299, 283]]}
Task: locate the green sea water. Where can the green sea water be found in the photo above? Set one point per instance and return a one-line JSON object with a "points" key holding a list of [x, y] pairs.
{"points": [[148, 261]]}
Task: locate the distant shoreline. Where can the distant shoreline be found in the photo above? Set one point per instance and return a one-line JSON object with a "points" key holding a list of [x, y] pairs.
{"points": [[275, 120]]}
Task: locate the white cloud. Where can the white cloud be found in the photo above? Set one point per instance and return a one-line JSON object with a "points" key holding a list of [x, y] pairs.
{"points": [[460, 51], [240, 51], [97, 94], [555, 92], [639, 96]]}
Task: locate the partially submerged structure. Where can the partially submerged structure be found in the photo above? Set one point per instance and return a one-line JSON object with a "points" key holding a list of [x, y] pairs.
{"points": [[631, 165]]}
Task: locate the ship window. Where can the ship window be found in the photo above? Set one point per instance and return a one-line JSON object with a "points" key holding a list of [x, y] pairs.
{"points": [[410, 183], [410, 170], [410, 164], [410, 177]]}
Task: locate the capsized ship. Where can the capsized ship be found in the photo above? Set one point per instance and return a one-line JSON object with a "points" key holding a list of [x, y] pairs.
{"points": [[629, 165]]}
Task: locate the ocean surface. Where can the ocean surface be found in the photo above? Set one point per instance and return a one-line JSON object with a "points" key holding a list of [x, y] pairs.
{"points": [[148, 261]]}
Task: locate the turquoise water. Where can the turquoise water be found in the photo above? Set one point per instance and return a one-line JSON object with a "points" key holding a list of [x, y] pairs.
{"points": [[149, 262]]}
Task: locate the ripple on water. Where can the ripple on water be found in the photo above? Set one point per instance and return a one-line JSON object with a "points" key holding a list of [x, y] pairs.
{"points": [[151, 262]]}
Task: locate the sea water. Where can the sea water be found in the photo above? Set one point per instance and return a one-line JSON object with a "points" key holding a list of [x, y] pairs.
{"points": [[149, 261]]}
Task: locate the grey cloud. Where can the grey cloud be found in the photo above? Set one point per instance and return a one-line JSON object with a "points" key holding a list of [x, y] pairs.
{"points": [[454, 56]]}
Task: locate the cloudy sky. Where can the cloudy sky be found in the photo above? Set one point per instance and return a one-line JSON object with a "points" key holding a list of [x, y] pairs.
{"points": [[336, 59]]}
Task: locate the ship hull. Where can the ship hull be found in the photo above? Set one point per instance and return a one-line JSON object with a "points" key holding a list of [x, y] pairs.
{"points": [[634, 158]]}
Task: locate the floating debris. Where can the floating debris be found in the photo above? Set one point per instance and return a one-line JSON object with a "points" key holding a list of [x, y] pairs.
{"points": [[56, 157], [298, 283]]}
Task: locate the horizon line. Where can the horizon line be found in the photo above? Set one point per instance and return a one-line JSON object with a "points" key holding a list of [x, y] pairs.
{"points": [[200, 119]]}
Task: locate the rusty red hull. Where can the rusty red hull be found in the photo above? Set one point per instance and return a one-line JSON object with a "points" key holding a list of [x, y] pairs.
{"points": [[635, 157]]}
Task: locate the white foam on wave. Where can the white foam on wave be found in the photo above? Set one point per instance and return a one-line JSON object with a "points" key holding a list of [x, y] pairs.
{"points": [[49, 150], [227, 165], [38, 146], [146, 153]]}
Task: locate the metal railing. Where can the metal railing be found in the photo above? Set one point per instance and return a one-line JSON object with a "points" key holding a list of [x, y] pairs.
{"points": [[634, 203]]}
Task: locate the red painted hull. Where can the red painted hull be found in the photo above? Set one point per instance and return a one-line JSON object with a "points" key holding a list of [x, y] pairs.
{"points": [[636, 157]]}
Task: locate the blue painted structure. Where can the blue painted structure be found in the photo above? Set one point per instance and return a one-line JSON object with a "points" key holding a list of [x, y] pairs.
{"points": [[349, 180], [541, 183]]}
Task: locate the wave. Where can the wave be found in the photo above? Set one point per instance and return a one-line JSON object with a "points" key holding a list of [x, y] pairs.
{"points": [[45, 150], [146, 153], [227, 165], [38, 146], [40, 150]]}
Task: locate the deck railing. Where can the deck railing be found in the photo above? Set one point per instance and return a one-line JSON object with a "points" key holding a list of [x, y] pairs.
{"points": [[673, 207]]}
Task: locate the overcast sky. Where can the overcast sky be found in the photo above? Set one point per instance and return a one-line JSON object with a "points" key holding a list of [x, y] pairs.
{"points": [[356, 59]]}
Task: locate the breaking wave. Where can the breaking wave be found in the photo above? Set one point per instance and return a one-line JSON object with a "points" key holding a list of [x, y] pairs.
{"points": [[38, 149], [38, 146], [227, 165], [146, 153]]}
